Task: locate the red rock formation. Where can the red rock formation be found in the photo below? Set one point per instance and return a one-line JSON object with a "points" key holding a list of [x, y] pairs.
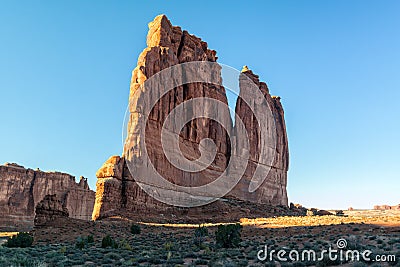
{"points": [[22, 189], [167, 45], [273, 189], [48, 210], [117, 193], [387, 207]]}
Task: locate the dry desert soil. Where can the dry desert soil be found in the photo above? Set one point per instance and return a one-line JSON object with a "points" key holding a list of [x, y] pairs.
{"points": [[176, 244]]}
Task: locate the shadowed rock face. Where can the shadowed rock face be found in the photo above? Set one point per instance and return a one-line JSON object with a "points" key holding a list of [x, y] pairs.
{"points": [[117, 192], [48, 210], [22, 189], [273, 189]]}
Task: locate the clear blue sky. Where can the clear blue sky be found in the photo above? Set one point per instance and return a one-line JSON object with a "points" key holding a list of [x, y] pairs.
{"points": [[65, 70]]}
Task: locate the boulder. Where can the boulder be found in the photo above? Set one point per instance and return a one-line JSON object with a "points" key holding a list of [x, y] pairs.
{"points": [[317, 212], [49, 210]]}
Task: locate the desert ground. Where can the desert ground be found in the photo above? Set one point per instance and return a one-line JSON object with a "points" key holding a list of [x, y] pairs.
{"points": [[177, 244]]}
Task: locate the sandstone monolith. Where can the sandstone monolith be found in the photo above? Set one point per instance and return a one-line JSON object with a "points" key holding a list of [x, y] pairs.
{"points": [[118, 191]]}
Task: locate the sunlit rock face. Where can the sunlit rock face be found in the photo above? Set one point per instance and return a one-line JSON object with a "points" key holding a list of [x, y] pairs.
{"points": [[387, 207], [22, 189], [118, 192]]}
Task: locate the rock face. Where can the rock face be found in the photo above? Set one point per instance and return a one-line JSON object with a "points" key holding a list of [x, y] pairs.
{"points": [[118, 192], [387, 207], [22, 189], [273, 189], [48, 210]]}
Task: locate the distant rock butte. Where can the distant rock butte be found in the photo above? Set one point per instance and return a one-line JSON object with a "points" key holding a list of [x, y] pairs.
{"points": [[387, 207], [117, 192], [22, 189]]}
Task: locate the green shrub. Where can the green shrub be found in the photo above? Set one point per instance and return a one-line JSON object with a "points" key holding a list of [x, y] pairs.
{"points": [[201, 262], [63, 250], [21, 240], [175, 261], [199, 235], [108, 241], [80, 243], [168, 245], [228, 236], [90, 239], [135, 229]]}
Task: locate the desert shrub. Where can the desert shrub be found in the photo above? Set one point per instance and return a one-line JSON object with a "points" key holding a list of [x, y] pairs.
{"points": [[358, 264], [135, 229], [201, 262], [113, 256], [168, 246], [339, 213], [20, 260], [201, 230], [108, 241], [90, 239], [52, 254], [142, 259], [80, 243], [326, 261], [130, 262], [21, 240], [228, 236], [394, 241], [250, 255], [175, 261], [243, 263], [154, 260], [123, 244], [63, 250], [190, 255], [199, 235]]}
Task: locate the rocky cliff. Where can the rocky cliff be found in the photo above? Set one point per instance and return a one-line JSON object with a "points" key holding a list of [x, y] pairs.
{"points": [[387, 207], [22, 189], [118, 191], [273, 188]]}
